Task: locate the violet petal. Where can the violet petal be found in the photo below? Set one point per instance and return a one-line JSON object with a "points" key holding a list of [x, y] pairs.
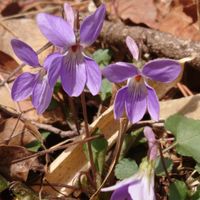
{"points": [[93, 72], [119, 103], [73, 74], [91, 26], [153, 147], [56, 30], [137, 192], [136, 102], [25, 53], [53, 64], [153, 103], [42, 94], [119, 72], [121, 194], [163, 70], [23, 86], [133, 48], [69, 13]]}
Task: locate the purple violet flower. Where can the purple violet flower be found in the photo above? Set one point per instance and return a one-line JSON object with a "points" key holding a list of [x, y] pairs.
{"points": [[141, 185], [32, 84], [74, 67], [137, 96]]}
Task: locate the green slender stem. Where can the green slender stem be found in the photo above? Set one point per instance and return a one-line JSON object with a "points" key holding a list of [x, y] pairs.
{"points": [[163, 163], [83, 103]]}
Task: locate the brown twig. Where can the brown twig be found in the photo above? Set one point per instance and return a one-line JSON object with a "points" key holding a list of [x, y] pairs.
{"points": [[87, 132], [156, 43], [74, 114], [55, 130], [180, 87], [51, 150], [53, 187], [187, 90], [25, 14]]}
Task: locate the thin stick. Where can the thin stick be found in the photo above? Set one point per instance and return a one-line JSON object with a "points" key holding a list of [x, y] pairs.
{"points": [[83, 103], [179, 85], [187, 90], [55, 189], [29, 13], [51, 150], [169, 147], [48, 127]]}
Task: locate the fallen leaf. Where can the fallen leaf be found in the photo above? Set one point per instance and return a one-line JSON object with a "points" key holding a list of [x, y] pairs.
{"points": [[14, 131], [24, 29], [187, 106], [19, 170], [143, 11]]}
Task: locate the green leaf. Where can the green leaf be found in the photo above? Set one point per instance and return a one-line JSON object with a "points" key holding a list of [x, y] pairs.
{"points": [[106, 89], [178, 191], [196, 195], [35, 145], [197, 167], [129, 142], [99, 149], [159, 169], [102, 57], [187, 134], [125, 168], [4, 184], [57, 86]]}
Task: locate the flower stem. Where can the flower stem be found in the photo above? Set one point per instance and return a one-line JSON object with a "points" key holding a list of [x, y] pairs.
{"points": [[163, 163], [74, 114], [83, 103]]}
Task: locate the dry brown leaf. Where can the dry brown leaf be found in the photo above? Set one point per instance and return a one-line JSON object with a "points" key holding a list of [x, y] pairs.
{"points": [[179, 24], [143, 11], [19, 170], [23, 29], [16, 136], [187, 106]]}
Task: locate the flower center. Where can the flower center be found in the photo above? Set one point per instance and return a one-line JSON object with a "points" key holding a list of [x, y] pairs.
{"points": [[74, 47], [138, 78]]}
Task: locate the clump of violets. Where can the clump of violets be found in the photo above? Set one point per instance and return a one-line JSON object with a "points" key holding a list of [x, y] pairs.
{"points": [[137, 96], [141, 185], [34, 84], [72, 65]]}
